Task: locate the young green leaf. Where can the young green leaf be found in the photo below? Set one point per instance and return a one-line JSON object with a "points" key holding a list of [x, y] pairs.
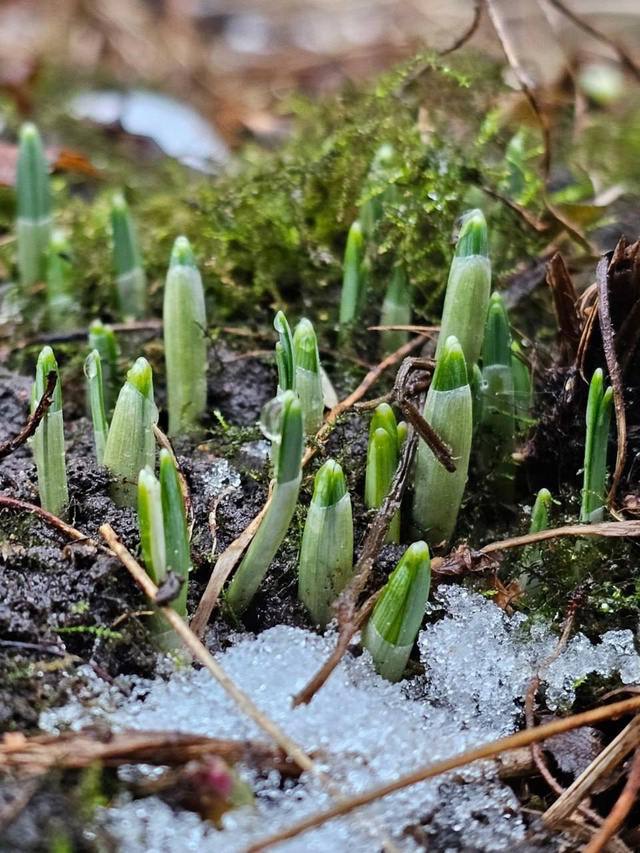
{"points": [[93, 372], [598, 420], [396, 310], [102, 338], [393, 626], [468, 289], [448, 409], [382, 460], [130, 445], [48, 439], [185, 342], [540, 511], [61, 301], [353, 276], [326, 553], [308, 380], [176, 532], [284, 354]]}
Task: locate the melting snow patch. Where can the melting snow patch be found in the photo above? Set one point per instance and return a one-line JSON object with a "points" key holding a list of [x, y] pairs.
{"points": [[363, 731]]}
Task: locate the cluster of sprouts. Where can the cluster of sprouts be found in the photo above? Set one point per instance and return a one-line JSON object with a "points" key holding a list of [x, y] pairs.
{"points": [[478, 402]]}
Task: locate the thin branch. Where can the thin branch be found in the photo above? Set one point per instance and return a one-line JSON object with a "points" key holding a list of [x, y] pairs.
{"points": [[34, 419], [350, 620], [613, 367], [53, 520], [624, 57], [468, 34], [489, 750], [526, 83], [621, 809]]}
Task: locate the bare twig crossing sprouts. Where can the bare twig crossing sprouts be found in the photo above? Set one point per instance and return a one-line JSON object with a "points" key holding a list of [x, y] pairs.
{"points": [[285, 428]]}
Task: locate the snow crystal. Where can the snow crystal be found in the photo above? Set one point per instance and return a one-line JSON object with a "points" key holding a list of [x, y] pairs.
{"points": [[362, 730]]}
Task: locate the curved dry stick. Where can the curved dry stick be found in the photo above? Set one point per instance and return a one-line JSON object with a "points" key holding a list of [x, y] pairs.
{"points": [[488, 750], [468, 34], [608, 345], [34, 419]]}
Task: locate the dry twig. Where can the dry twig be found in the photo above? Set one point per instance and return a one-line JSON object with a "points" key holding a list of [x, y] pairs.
{"points": [[228, 560], [489, 750], [7, 502], [8, 447]]}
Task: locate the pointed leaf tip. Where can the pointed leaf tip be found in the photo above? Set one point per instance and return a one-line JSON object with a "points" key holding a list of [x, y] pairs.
{"points": [[473, 237], [182, 253], [451, 367]]}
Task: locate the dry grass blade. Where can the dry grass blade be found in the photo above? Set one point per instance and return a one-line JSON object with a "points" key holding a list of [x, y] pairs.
{"points": [[8, 447], [615, 375], [610, 757], [621, 809], [75, 750], [489, 750], [228, 560]]}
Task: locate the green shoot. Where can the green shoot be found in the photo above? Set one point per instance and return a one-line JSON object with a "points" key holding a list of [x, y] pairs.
{"points": [[131, 280], [377, 188], [61, 302], [185, 343], [33, 206], [93, 372], [353, 280], [284, 354], [394, 624], [308, 380], [326, 553], [498, 400], [382, 461], [522, 387], [48, 440], [102, 338], [468, 289], [448, 409], [130, 445], [396, 310], [176, 532], [598, 419], [540, 511], [285, 419]]}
